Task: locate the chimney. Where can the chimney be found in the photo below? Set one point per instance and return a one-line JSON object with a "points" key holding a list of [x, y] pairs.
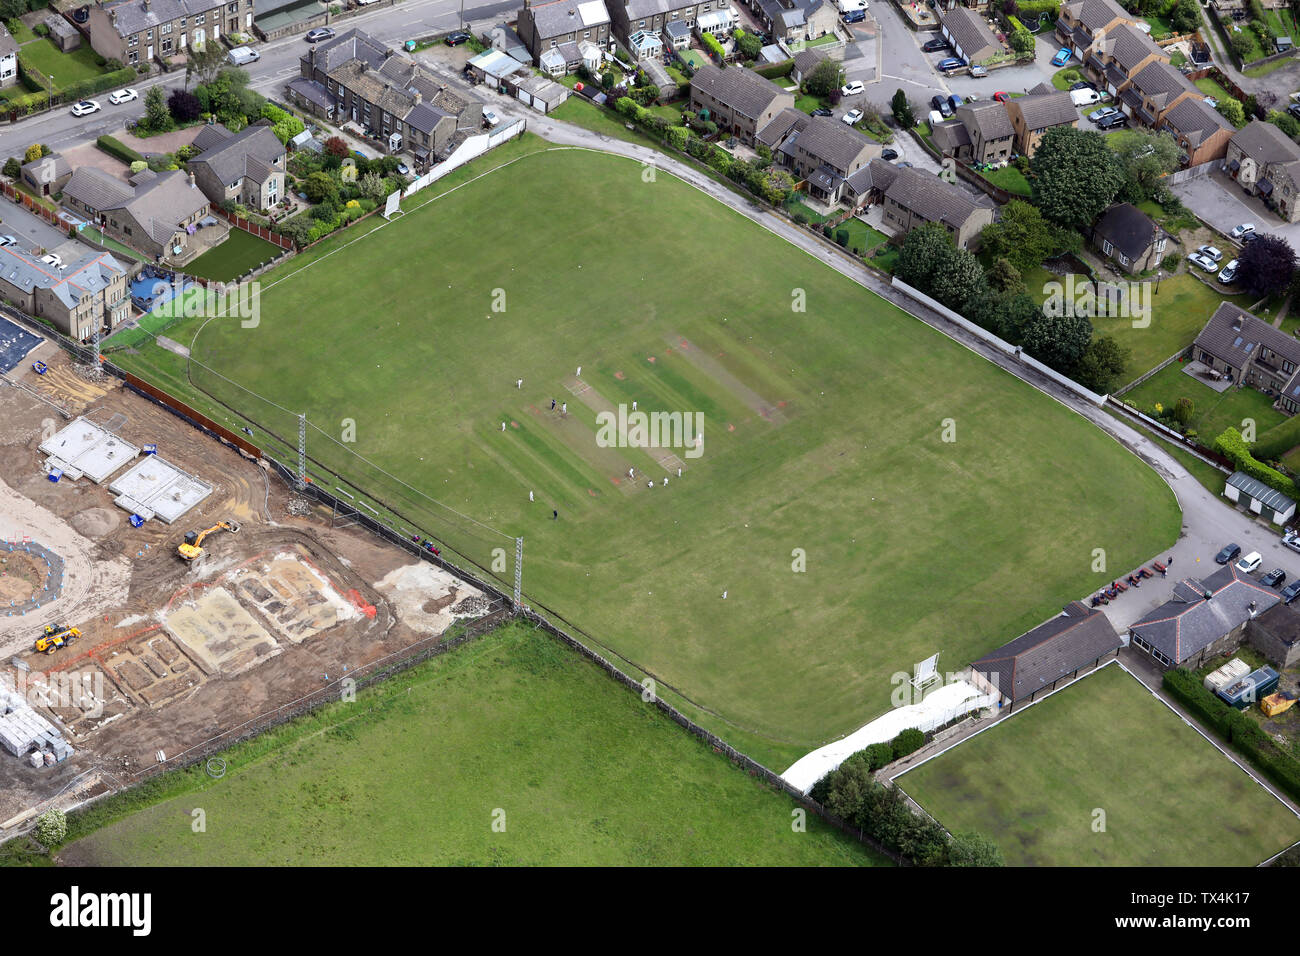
{"points": [[146, 6], [417, 98], [191, 174], [112, 16]]}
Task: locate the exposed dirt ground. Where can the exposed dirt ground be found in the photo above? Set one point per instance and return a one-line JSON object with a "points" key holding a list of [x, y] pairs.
{"points": [[172, 654]]}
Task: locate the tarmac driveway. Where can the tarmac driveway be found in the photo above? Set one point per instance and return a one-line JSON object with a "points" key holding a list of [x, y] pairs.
{"points": [[1221, 202]]}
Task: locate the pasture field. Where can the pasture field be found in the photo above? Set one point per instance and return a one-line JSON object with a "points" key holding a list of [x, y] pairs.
{"points": [[824, 412], [412, 773], [1035, 781]]}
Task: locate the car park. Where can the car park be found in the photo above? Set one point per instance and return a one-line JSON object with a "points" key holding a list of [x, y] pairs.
{"points": [[1203, 262], [1062, 56], [851, 117], [1250, 562], [1113, 121], [1273, 578], [852, 89], [940, 103], [85, 108], [118, 97], [1229, 552], [1291, 592], [1210, 252], [1229, 274], [320, 33], [1241, 230], [935, 45], [889, 155], [950, 64]]}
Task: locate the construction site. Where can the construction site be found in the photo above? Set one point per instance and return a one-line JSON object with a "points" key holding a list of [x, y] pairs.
{"points": [[164, 593]]}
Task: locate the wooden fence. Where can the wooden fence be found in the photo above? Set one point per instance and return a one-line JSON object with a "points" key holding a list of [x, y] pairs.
{"points": [[255, 229]]}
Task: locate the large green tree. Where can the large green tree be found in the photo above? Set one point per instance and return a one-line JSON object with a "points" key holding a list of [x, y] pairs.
{"points": [[1232, 111], [973, 849], [824, 79], [902, 110], [1101, 368], [1146, 156], [203, 65], [1058, 341], [1024, 238], [1075, 176], [925, 255]]}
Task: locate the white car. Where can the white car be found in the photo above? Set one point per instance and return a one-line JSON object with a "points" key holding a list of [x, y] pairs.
{"points": [[851, 117], [852, 89], [1228, 273], [85, 108], [1210, 252], [1203, 261], [8, 241], [1250, 562], [118, 97], [52, 260], [490, 118], [1239, 231]]}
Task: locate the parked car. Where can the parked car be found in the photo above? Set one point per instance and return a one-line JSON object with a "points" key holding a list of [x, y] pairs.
{"points": [[851, 117], [320, 33], [1083, 85], [1203, 262], [935, 118], [1274, 578], [1062, 57], [1210, 252], [1247, 237], [1098, 115], [457, 38], [1084, 97], [1229, 552], [118, 97], [8, 241], [1250, 562], [940, 103], [935, 45], [1211, 102], [85, 108], [1229, 274], [823, 111], [1294, 110], [1241, 230], [852, 89], [1291, 540], [1001, 96], [905, 165], [955, 101], [402, 168], [243, 55], [490, 118], [1113, 121], [1291, 592], [889, 155], [978, 72], [950, 64], [52, 260]]}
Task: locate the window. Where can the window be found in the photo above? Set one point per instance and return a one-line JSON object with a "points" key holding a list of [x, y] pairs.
{"points": [[132, 57], [1106, 247], [149, 35], [1123, 259], [167, 45], [134, 41], [200, 19], [165, 29]]}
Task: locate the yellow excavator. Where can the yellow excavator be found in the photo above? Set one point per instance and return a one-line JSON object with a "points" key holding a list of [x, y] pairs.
{"points": [[55, 637], [192, 547]]}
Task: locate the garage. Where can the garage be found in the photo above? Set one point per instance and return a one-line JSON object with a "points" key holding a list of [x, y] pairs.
{"points": [[1259, 498]]}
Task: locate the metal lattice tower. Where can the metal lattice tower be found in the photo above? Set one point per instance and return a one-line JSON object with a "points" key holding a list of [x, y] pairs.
{"points": [[519, 570], [302, 452]]}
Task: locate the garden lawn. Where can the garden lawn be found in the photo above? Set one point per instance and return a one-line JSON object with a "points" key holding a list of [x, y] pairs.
{"points": [[239, 254], [822, 430], [1035, 783], [1213, 411], [412, 773], [1010, 179], [862, 238], [1211, 87], [63, 68]]}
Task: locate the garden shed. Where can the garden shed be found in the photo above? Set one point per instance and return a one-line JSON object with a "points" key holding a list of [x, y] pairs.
{"points": [[1259, 498]]}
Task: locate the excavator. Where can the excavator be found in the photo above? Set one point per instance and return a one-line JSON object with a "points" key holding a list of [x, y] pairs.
{"points": [[192, 548], [55, 637]]}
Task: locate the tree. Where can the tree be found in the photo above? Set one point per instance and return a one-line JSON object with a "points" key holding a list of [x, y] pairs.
{"points": [[748, 44], [1146, 156], [12, 9], [1185, 16], [336, 146], [1241, 44], [1022, 42], [1102, 366], [1184, 411], [33, 153], [974, 849], [1024, 238], [824, 79], [12, 167], [925, 256], [1266, 266], [1075, 176], [184, 106], [902, 110], [1058, 341], [1232, 111], [774, 185], [374, 186], [51, 827], [1285, 122], [962, 281], [203, 64], [1006, 278], [320, 187], [156, 117]]}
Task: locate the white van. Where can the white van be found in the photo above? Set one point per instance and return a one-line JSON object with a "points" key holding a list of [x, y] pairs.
{"points": [[1084, 97], [243, 55]]}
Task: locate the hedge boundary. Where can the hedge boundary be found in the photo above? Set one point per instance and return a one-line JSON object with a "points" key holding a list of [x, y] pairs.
{"points": [[118, 150]]}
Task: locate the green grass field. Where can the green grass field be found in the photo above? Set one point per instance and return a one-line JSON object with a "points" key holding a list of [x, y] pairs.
{"points": [[823, 431], [63, 68], [1214, 411], [240, 253], [585, 773], [1035, 782]]}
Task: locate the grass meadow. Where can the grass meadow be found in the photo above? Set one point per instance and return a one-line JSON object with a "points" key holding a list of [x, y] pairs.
{"points": [[850, 537]]}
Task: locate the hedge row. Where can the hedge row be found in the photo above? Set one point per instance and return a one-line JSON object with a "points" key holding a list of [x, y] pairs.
{"points": [[1278, 440], [1236, 728], [1231, 444], [118, 150], [776, 69]]}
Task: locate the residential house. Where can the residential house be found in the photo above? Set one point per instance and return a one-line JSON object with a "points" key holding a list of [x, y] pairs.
{"points": [[1250, 351], [1130, 238], [793, 21], [47, 175], [85, 297], [820, 150], [1275, 633], [1117, 54], [1201, 131], [1037, 661], [990, 131], [1155, 89], [654, 16], [951, 138], [504, 38], [245, 167], [739, 100], [912, 197], [1205, 617], [546, 26], [677, 35], [867, 186], [138, 31], [805, 61], [356, 79], [1079, 22], [969, 34], [1265, 162], [1033, 115], [8, 58], [153, 213]]}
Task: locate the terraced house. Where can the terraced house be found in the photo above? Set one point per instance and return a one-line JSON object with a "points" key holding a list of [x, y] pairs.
{"points": [[1265, 162], [1201, 131], [1033, 115], [1080, 22], [911, 197], [1117, 55], [653, 16], [356, 79], [1154, 91], [85, 297], [740, 101], [821, 150], [139, 31], [548, 26], [795, 20]]}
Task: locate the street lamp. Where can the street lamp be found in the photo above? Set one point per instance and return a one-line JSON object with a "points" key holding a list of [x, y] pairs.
{"points": [[1159, 276]]}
